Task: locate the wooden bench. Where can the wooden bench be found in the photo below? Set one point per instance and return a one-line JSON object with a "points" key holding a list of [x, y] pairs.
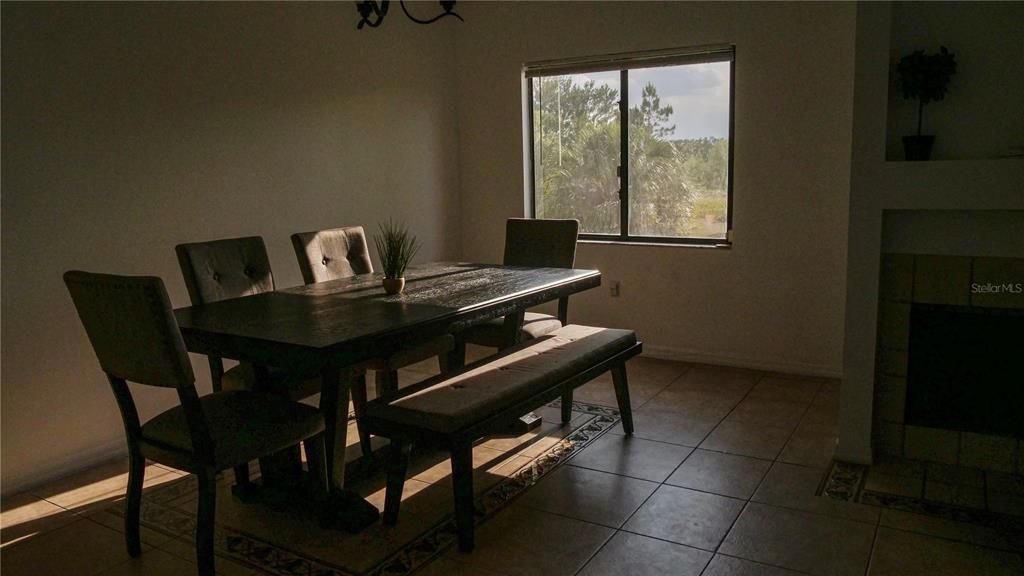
{"points": [[489, 396]]}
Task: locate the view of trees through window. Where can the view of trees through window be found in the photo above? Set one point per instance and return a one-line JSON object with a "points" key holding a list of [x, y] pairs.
{"points": [[678, 150]]}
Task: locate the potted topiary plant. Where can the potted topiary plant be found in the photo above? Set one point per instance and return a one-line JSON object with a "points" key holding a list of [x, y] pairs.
{"points": [[924, 77], [395, 247]]}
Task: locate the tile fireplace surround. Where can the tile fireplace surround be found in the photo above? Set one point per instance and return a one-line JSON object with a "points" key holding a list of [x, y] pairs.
{"points": [[908, 279]]}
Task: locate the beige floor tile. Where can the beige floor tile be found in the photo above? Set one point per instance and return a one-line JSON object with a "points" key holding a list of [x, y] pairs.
{"points": [[792, 486], [809, 449], [115, 522], [722, 565], [777, 387], [956, 475], [635, 457], [908, 486], [768, 412], [800, 541], [949, 529], [449, 565], [695, 403], [899, 553], [820, 420], [589, 495], [521, 540], [1005, 483], [966, 496], [669, 426], [747, 439], [483, 458], [153, 563], [601, 392], [25, 516], [719, 473], [720, 378], [82, 547], [1006, 503], [685, 516], [186, 550], [634, 555], [101, 486], [897, 466]]}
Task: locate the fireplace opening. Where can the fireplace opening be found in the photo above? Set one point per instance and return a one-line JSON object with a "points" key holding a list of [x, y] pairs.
{"points": [[965, 369]]}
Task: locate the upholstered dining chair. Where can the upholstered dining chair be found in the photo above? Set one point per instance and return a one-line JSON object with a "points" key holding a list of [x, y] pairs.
{"points": [[531, 242], [231, 268], [340, 253], [131, 327]]}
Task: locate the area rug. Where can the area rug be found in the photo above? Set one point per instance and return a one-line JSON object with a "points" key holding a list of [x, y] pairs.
{"points": [[289, 542]]}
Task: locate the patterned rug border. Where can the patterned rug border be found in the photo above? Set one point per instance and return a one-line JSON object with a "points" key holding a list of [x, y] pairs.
{"points": [[845, 481], [253, 551]]}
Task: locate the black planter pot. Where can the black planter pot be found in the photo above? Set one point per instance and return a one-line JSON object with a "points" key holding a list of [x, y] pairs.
{"points": [[918, 147]]}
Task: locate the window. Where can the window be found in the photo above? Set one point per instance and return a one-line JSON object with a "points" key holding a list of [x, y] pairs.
{"points": [[638, 147]]}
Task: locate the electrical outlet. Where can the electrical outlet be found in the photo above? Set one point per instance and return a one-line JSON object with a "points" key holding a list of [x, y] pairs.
{"points": [[613, 288]]}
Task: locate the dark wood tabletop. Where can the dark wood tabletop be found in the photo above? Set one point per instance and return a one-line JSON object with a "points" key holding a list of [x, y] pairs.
{"points": [[328, 326], [342, 322]]}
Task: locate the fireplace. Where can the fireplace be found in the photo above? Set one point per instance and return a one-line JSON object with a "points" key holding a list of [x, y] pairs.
{"points": [[950, 360], [965, 369]]}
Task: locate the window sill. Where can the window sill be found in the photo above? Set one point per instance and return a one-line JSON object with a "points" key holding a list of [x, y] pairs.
{"points": [[722, 245]]}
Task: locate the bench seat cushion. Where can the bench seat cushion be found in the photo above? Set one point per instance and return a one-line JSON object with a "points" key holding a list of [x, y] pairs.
{"points": [[514, 376]]}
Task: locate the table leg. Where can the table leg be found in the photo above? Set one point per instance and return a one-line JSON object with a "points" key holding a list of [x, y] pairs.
{"points": [[512, 334], [345, 509], [512, 328], [334, 405]]}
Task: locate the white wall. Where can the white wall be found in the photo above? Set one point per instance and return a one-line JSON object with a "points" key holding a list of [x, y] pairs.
{"points": [[775, 299], [129, 128]]}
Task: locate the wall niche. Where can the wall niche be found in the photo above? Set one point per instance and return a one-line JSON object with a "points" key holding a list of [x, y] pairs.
{"points": [[981, 115]]}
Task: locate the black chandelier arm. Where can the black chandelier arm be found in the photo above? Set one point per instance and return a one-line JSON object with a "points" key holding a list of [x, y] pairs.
{"points": [[368, 8], [447, 6]]}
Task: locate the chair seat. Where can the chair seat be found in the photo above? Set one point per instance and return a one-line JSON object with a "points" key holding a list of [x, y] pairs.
{"points": [[243, 426], [491, 333]]}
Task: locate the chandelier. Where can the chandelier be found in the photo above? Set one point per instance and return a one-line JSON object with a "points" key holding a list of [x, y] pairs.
{"points": [[372, 13]]}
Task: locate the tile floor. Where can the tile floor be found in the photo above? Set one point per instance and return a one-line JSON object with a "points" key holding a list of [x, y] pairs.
{"points": [[719, 478]]}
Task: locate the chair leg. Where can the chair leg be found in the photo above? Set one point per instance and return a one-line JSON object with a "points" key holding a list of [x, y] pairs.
{"points": [[359, 406], [566, 404], [622, 396], [387, 383], [443, 363], [398, 462], [456, 356], [205, 514], [462, 481], [242, 480], [316, 459], [133, 500]]}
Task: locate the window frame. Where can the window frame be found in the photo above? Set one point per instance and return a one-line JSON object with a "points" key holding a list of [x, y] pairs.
{"points": [[623, 63]]}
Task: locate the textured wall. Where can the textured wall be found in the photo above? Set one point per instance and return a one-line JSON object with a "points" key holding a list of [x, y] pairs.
{"points": [[128, 128]]}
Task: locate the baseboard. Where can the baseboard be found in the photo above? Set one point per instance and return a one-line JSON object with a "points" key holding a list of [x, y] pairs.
{"points": [[78, 462], [736, 361]]}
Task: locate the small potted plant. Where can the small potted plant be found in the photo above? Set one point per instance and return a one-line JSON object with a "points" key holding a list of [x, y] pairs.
{"points": [[395, 247], [924, 77]]}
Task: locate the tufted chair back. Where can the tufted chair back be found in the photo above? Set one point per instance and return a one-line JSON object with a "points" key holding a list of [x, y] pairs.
{"points": [[534, 242], [131, 327], [331, 254], [223, 269]]}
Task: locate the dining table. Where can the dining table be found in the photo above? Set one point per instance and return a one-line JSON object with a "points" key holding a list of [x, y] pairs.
{"points": [[329, 327]]}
